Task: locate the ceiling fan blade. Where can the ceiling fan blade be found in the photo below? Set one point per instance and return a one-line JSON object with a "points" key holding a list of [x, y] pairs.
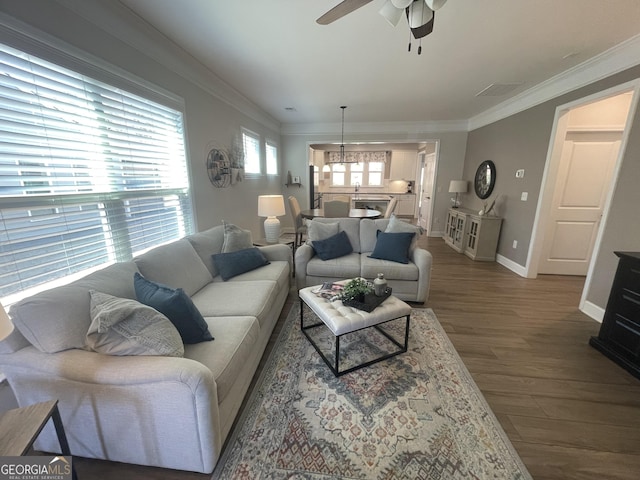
{"points": [[343, 8]]}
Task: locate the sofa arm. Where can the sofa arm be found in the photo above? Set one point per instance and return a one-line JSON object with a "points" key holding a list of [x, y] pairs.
{"points": [[304, 253], [278, 253], [423, 260], [109, 404]]}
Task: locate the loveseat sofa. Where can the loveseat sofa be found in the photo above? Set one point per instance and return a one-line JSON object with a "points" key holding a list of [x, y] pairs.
{"points": [[409, 281], [158, 410]]}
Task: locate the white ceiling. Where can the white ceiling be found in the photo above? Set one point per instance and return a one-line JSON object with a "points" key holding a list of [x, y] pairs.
{"points": [[275, 54]]}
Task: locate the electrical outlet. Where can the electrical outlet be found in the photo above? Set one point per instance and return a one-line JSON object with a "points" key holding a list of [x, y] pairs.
{"points": [[524, 196], [515, 244]]}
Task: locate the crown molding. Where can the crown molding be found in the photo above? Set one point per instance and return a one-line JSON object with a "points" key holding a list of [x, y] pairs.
{"points": [[417, 129], [614, 60], [125, 25]]}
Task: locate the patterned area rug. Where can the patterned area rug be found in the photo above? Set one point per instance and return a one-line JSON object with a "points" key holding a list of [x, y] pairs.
{"points": [[418, 415]]}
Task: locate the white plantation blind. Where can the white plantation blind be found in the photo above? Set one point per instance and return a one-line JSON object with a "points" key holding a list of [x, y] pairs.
{"points": [[251, 144], [89, 173]]}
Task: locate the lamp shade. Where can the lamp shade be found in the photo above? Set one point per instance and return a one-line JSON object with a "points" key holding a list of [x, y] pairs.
{"points": [[270, 205], [419, 14], [6, 327], [401, 3], [457, 186]]}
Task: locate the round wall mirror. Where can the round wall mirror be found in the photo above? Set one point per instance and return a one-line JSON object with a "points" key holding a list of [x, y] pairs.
{"points": [[485, 179]]}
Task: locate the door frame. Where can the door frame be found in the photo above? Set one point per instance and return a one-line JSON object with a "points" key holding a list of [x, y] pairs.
{"points": [[419, 192], [552, 163]]}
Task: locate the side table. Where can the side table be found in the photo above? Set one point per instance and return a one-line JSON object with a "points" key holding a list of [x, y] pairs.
{"points": [[20, 427]]}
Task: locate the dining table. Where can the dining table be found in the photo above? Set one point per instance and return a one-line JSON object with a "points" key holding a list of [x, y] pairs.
{"points": [[353, 213]]}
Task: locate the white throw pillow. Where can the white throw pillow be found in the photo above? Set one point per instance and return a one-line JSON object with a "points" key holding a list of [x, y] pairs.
{"points": [[121, 326]]}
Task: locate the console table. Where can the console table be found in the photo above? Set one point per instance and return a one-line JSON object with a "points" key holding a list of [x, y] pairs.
{"points": [[474, 235]]}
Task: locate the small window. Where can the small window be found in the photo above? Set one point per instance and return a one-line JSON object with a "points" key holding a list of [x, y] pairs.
{"points": [[251, 143], [272, 158], [357, 170]]}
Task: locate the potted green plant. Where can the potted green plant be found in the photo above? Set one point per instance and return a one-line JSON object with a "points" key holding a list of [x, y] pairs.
{"points": [[356, 289]]}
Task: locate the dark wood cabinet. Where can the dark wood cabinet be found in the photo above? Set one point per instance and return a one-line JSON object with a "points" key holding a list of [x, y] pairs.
{"points": [[619, 336]]}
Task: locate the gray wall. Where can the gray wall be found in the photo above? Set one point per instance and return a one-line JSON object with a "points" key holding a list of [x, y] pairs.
{"points": [[208, 119], [522, 141]]}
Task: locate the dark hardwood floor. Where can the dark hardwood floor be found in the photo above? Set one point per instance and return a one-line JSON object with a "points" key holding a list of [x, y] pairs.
{"points": [[570, 412]]}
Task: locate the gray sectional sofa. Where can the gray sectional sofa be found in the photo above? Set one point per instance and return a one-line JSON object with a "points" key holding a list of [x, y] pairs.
{"points": [[410, 281], [172, 412]]}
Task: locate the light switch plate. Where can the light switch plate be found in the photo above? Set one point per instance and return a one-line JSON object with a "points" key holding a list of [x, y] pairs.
{"points": [[520, 173], [524, 196]]}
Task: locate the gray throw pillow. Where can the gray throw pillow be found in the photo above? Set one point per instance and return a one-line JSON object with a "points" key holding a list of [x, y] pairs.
{"points": [[120, 326], [235, 238], [320, 231]]}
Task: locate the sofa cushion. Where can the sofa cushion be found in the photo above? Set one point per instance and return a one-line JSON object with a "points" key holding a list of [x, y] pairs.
{"points": [[206, 244], [236, 337], [241, 261], [237, 298], [121, 326], [278, 271], [369, 231], [176, 265], [370, 267], [343, 267], [58, 319], [335, 246], [176, 305], [235, 238], [393, 246], [318, 230]]}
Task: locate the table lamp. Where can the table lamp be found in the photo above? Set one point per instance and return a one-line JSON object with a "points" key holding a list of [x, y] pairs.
{"points": [[457, 186], [6, 326], [271, 206]]}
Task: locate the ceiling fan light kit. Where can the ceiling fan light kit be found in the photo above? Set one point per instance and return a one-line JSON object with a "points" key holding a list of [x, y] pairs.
{"points": [[420, 14]]}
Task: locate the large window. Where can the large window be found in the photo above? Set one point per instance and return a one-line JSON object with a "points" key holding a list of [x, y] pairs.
{"points": [[360, 168], [90, 174]]}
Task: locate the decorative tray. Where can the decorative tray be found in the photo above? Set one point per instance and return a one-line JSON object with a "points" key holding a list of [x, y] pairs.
{"points": [[370, 301]]}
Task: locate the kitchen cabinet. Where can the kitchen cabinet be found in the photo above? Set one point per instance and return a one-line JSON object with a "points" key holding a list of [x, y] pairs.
{"points": [[403, 165], [406, 205]]}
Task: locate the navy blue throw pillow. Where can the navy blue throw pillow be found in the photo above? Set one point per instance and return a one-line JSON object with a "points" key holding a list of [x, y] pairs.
{"points": [[176, 306], [335, 246], [234, 263], [392, 246]]}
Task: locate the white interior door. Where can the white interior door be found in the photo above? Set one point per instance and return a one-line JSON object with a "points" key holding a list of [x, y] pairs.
{"points": [[584, 176], [426, 191]]}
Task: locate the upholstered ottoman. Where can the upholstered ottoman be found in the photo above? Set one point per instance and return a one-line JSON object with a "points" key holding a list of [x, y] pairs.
{"points": [[341, 320]]}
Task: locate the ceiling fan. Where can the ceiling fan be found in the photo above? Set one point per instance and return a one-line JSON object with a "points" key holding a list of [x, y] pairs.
{"points": [[420, 14]]}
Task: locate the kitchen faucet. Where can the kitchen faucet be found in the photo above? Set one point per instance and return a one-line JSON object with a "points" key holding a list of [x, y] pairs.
{"points": [[357, 189]]}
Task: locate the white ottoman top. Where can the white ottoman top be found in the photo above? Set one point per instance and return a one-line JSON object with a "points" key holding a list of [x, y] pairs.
{"points": [[342, 319]]}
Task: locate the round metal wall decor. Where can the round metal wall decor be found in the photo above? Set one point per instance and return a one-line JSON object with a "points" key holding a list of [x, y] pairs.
{"points": [[485, 179], [218, 168]]}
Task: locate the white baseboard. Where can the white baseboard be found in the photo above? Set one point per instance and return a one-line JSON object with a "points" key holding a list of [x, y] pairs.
{"points": [[592, 310], [437, 233], [511, 265]]}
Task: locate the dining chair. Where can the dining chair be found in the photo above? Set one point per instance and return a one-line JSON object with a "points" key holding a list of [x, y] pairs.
{"points": [[393, 203], [336, 209], [298, 222]]}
